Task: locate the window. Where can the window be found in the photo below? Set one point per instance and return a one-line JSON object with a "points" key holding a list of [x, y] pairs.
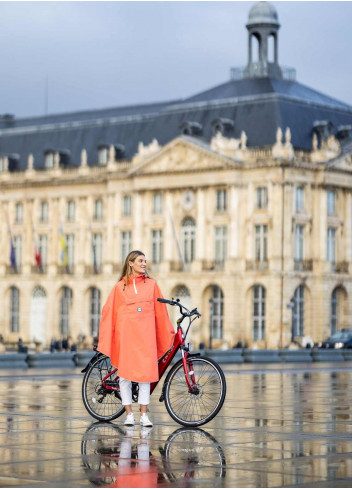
{"points": [[299, 233], [188, 239], [217, 317], [220, 244], [258, 312], [261, 243], [14, 310], [43, 250], [98, 210], [157, 246], [71, 210], [298, 312], [17, 244], [97, 251], [127, 206], [261, 198], [65, 306], [19, 213], [331, 246], [3, 164], [331, 202], [221, 200], [299, 199], [103, 155], [70, 246], [157, 203], [49, 159], [126, 243], [333, 312], [94, 311], [44, 212]]}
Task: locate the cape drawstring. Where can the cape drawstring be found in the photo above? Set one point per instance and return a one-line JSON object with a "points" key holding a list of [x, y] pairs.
{"points": [[134, 285]]}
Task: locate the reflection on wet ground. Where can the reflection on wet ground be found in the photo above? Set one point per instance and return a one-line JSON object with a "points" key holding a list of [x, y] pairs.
{"points": [[289, 427]]}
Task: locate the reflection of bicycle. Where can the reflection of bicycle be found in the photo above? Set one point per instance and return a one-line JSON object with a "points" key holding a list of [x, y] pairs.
{"points": [[189, 454], [194, 389]]}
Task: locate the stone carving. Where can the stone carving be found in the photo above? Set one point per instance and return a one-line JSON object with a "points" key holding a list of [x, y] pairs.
{"points": [[57, 161], [282, 150], [84, 158], [146, 151], [329, 149], [234, 148], [30, 163]]}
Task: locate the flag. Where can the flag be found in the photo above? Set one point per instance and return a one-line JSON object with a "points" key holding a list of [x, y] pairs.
{"points": [[12, 247], [12, 254], [37, 252], [63, 247], [94, 248]]}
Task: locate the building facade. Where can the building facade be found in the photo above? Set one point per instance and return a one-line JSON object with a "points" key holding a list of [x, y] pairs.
{"points": [[240, 197]]}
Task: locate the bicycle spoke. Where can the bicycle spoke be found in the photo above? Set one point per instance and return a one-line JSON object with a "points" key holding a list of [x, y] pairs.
{"points": [[189, 407]]}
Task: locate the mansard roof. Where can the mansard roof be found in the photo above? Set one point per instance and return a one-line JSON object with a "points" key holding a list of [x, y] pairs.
{"points": [[257, 106]]}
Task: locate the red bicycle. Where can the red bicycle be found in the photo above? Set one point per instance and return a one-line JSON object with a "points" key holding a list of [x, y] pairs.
{"points": [[193, 392]]}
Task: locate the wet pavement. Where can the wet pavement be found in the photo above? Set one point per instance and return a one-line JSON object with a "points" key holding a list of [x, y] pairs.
{"points": [[287, 425]]}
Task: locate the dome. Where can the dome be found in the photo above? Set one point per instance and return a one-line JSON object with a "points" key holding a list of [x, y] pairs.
{"points": [[263, 13]]}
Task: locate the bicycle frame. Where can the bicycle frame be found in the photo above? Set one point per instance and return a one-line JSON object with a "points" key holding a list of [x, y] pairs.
{"points": [[165, 360]]}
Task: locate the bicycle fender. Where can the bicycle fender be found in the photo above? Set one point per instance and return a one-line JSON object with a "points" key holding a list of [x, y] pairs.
{"points": [[161, 398], [97, 355]]}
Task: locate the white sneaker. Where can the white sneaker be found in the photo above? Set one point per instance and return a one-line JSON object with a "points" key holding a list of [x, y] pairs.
{"points": [[145, 432], [129, 421], [145, 421]]}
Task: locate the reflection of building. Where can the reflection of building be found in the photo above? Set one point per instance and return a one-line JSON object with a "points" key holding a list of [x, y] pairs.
{"points": [[241, 193]]}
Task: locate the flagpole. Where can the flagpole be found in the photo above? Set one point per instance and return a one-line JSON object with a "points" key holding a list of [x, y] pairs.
{"points": [[175, 238], [13, 260]]}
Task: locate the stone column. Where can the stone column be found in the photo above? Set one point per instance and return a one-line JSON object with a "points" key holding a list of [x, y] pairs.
{"points": [[234, 234], [108, 238], [28, 237], [200, 226], [137, 238], [169, 241], [54, 243], [81, 236]]}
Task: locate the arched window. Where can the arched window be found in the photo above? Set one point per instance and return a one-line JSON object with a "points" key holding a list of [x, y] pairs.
{"points": [[258, 319], [188, 239], [65, 306], [217, 317], [298, 312], [14, 310], [333, 312], [94, 308]]}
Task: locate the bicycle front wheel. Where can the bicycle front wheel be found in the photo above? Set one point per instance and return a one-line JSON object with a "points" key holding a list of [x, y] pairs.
{"points": [[195, 409], [103, 404]]}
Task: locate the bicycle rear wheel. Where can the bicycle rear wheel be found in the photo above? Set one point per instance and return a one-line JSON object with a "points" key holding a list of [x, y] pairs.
{"points": [[190, 409], [101, 403]]}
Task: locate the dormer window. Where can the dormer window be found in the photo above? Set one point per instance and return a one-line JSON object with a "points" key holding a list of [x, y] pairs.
{"points": [[190, 128], [322, 129], [49, 159], [103, 155], [223, 126], [344, 132]]}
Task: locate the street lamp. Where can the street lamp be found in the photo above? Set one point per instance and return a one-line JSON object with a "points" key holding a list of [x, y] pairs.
{"points": [[211, 314]]}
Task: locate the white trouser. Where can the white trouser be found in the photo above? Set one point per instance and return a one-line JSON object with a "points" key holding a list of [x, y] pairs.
{"points": [[126, 392]]}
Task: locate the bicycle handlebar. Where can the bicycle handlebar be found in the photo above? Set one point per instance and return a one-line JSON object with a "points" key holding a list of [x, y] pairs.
{"points": [[177, 303]]}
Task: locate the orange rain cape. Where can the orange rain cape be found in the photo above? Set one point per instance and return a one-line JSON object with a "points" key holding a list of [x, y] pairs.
{"points": [[135, 330]]}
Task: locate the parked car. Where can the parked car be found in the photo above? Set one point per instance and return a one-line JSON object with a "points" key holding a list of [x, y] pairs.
{"points": [[340, 339]]}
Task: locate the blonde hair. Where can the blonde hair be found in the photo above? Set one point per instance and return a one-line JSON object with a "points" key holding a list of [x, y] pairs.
{"points": [[126, 269]]}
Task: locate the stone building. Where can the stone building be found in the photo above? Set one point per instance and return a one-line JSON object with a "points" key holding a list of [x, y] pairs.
{"points": [[240, 196]]}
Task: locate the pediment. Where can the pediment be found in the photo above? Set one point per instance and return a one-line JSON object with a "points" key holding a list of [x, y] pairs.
{"points": [[182, 156], [343, 163]]}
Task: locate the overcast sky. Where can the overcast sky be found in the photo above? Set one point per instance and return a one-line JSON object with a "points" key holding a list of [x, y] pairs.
{"points": [[105, 54]]}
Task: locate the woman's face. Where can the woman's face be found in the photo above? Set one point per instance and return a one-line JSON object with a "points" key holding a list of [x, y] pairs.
{"points": [[139, 265]]}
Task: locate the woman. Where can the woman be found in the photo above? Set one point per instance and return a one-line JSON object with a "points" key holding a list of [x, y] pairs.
{"points": [[135, 331]]}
